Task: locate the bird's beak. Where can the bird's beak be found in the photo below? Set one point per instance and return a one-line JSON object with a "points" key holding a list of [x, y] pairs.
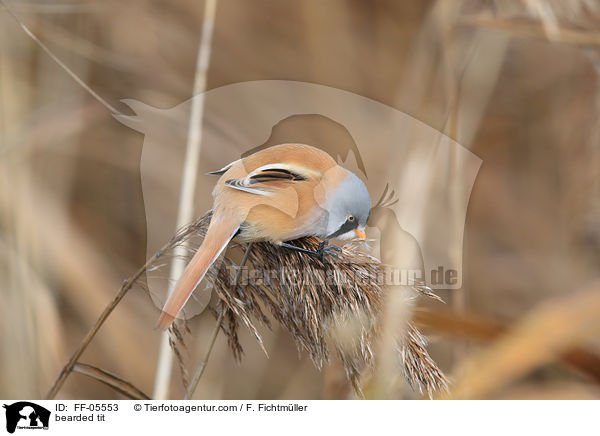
{"points": [[360, 233]]}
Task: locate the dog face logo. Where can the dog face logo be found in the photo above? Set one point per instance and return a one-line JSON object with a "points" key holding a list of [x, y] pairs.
{"points": [[26, 415], [422, 178]]}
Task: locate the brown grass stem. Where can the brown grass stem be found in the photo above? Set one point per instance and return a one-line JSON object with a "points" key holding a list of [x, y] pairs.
{"points": [[111, 380], [60, 63], [469, 327], [202, 365], [537, 339], [185, 212], [563, 35], [68, 368]]}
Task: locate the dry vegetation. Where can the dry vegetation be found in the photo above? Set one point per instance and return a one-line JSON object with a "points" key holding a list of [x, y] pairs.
{"points": [[515, 81]]}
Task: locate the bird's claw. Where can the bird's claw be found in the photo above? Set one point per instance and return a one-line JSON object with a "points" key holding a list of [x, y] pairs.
{"points": [[325, 250]]}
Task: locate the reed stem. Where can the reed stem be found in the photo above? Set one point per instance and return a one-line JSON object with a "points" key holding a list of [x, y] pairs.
{"points": [[202, 365]]}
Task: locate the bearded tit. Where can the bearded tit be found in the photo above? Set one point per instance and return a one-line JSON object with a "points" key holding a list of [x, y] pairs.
{"points": [[278, 194]]}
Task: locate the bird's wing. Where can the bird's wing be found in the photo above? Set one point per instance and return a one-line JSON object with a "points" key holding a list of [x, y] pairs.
{"points": [[222, 170], [260, 181]]}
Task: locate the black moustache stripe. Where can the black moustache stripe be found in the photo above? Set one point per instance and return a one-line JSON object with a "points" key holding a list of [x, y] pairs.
{"points": [[345, 228]]}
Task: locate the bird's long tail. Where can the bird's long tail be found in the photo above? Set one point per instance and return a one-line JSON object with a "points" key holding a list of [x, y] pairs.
{"points": [[223, 227]]}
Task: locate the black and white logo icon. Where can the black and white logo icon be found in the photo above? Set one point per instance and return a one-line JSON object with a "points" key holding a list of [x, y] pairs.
{"points": [[26, 415]]}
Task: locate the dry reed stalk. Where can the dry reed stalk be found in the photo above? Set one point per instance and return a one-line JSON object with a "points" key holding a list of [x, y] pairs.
{"points": [[71, 253], [68, 252], [311, 299], [111, 380], [202, 365], [583, 360], [468, 68], [185, 211], [20, 288], [538, 339], [179, 239], [420, 371], [68, 368], [523, 29], [56, 59], [87, 277]]}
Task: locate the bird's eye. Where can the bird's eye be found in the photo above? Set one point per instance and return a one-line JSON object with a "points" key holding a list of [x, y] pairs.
{"points": [[350, 218]]}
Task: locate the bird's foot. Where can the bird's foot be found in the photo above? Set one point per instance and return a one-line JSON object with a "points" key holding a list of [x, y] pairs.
{"points": [[321, 252], [325, 250]]}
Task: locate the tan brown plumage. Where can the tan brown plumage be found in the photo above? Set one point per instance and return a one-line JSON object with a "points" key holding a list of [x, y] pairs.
{"points": [[278, 194], [220, 231]]}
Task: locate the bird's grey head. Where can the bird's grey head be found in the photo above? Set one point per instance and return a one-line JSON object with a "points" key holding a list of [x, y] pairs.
{"points": [[349, 208]]}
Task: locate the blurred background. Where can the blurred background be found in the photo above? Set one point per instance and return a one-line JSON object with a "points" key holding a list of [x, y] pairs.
{"points": [[514, 81]]}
